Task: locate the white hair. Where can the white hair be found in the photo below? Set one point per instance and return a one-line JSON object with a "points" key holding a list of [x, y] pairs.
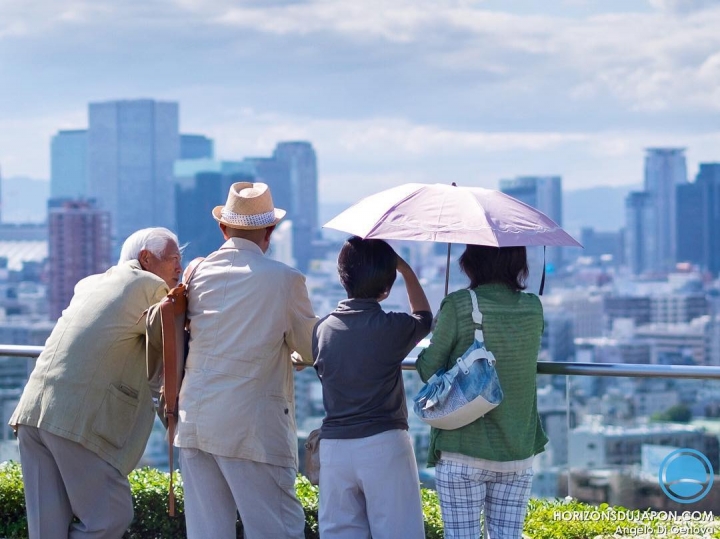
{"points": [[154, 240]]}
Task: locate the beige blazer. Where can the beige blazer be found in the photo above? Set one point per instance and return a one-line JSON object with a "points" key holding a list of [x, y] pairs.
{"points": [[90, 383], [247, 313]]}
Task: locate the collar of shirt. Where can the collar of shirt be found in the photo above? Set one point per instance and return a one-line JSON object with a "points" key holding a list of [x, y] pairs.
{"points": [[242, 244], [356, 305]]}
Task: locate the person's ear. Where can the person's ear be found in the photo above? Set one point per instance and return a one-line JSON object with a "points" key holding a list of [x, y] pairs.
{"points": [[268, 232], [223, 229], [143, 259]]}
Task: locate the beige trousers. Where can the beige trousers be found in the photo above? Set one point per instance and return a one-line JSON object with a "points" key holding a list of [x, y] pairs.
{"points": [[62, 479], [217, 488]]}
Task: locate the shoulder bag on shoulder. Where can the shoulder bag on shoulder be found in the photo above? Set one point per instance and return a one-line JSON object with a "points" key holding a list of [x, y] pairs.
{"points": [[454, 398]]}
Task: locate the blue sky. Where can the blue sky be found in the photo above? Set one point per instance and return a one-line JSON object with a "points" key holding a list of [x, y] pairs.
{"points": [[388, 91]]}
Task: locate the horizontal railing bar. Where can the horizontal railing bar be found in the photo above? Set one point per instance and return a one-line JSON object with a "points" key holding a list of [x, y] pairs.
{"points": [[616, 369], [544, 367], [20, 351]]}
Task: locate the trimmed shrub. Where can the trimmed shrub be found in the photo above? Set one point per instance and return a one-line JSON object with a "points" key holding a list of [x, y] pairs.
{"points": [[149, 490]]}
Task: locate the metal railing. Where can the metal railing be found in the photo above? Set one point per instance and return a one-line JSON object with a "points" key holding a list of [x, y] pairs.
{"points": [[544, 367]]}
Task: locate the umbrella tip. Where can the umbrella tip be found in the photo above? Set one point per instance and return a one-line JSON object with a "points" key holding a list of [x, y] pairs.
{"points": [[454, 184]]}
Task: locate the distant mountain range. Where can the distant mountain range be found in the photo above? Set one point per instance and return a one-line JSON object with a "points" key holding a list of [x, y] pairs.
{"points": [[24, 200]]}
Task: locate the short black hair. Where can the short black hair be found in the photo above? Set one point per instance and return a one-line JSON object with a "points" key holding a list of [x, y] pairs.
{"points": [[367, 268], [484, 264]]}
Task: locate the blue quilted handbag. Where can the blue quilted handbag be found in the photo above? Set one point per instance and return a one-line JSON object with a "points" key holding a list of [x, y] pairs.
{"points": [[454, 398]]}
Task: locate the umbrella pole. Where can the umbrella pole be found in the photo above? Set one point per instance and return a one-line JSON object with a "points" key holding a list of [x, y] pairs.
{"points": [[447, 264], [447, 270]]}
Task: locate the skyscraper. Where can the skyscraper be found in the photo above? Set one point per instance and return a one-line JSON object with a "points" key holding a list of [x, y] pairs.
{"points": [[79, 245], [640, 220], [196, 147], [545, 194], [691, 230], [68, 164], [276, 175], [132, 146], [708, 180], [300, 159], [665, 169]]}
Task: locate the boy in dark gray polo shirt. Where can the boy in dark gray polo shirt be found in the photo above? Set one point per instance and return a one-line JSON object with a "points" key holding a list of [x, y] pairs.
{"points": [[368, 478]]}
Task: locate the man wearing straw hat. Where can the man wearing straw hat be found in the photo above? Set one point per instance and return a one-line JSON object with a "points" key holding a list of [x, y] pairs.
{"points": [[236, 429]]}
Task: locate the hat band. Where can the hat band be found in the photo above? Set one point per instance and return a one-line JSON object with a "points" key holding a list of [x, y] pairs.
{"points": [[259, 220]]}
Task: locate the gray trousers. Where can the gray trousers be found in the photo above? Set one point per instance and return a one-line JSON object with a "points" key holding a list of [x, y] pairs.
{"points": [[62, 479], [369, 487], [217, 488]]}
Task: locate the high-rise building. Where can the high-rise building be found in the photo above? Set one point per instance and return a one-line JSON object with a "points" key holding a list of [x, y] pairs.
{"points": [[640, 240], [196, 147], [300, 159], [708, 179], [276, 175], [545, 194], [79, 245], [698, 219], [68, 164], [132, 146], [665, 169], [690, 228]]}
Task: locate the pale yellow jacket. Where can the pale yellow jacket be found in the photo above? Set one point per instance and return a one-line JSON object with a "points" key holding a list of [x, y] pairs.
{"points": [[247, 313], [90, 383]]}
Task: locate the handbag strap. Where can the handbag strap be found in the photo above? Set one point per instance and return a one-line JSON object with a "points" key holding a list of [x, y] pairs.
{"points": [[174, 303], [478, 353], [477, 317]]}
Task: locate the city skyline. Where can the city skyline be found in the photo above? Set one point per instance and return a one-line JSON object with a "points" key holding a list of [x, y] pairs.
{"points": [[387, 93]]}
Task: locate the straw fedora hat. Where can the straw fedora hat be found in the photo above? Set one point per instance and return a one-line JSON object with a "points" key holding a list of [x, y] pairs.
{"points": [[249, 206]]}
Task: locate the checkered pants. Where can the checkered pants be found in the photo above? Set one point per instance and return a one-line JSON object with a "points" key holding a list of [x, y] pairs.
{"points": [[465, 491]]}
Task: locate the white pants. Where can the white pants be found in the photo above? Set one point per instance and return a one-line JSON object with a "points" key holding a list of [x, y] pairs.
{"points": [[62, 479], [217, 488], [369, 487]]}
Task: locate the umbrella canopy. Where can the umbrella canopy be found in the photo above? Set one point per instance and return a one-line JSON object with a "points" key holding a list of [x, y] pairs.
{"points": [[445, 213]]}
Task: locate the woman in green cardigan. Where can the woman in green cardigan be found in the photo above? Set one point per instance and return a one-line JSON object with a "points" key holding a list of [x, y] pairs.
{"points": [[486, 466]]}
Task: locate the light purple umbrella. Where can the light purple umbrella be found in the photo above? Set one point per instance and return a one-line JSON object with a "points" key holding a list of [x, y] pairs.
{"points": [[446, 213], [438, 212]]}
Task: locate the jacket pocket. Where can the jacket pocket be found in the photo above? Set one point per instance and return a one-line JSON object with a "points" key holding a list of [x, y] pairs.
{"points": [[278, 435], [116, 416]]}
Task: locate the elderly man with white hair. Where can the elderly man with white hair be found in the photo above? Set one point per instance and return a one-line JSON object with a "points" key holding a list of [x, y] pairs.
{"points": [[86, 413]]}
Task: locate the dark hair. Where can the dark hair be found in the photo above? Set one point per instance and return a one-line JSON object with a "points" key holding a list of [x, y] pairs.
{"points": [[367, 268], [504, 265]]}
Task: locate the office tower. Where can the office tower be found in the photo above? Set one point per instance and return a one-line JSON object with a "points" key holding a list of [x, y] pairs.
{"points": [[68, 164], [300, 159], [132, 146], [200, 185], [708, 179], [275, 174], [79, 245], [545, 194], [196, 147], [665, 169], [691, 232], [640, 240]]}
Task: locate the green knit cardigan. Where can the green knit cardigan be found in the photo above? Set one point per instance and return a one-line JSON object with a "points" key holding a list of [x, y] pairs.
{"points": [[513, 326]]}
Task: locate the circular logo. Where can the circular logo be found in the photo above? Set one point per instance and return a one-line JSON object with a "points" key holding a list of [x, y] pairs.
{"points": [[686, 476]]}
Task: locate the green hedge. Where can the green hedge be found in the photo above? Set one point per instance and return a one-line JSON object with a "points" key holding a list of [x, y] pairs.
{"points": [[149, 491], [545, 519]]}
